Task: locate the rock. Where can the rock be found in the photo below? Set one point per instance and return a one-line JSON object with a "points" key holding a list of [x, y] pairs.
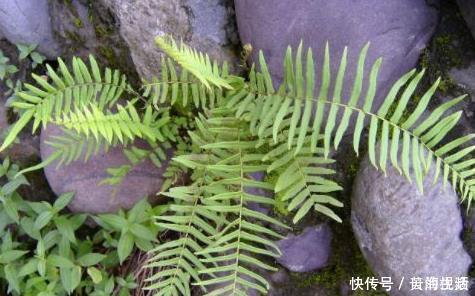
{"points": [[28, 22], [280, 277], [307, 251], [403, 233], [467, 9], [83, 178], [90, 27], [463, 77], [206, 25], [397, 29]]}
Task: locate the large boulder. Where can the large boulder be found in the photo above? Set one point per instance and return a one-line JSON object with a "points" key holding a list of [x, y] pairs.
{"points": [[397, 29], [28, 22], [404, 233], [207, 25], [84, 178]]}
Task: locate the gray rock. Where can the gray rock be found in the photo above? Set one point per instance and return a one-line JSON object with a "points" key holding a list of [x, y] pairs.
{"points": [[83, 28], [206, 25], [307, 251], [465, 78], [280, 277], [467, 9], [404, 233], [83, 178], [397, 29], [28, 22]]}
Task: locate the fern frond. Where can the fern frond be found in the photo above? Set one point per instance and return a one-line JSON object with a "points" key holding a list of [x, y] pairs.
{"points": [[231, 256], [195, 62], [195, 224], [175, 173], [110, 129], [175, 87], [307, 115], [177, 258], [69, 147], [65, 92], [302, 182], [124, 124]]}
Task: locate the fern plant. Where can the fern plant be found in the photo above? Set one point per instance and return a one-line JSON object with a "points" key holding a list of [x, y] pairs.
{"points": [[417, 139], [228, 128]]}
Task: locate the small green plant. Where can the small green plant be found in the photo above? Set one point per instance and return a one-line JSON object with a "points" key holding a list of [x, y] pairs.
{"points": [[6, 68], [227, 128], [26, 51], [43, 250]]}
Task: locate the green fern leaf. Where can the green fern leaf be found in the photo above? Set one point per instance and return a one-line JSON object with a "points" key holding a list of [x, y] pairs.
{"points": [[301, 181], [195, 62], [66, 93], [398, 133]]}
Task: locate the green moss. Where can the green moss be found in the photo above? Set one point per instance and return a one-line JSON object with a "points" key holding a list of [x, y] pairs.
{"points": [[280, 206], [328, 277], [425, 59], [445, 48], [109, 54], [78, 23], [444, 57], [332, 276], [446, 84], [76, 39], [353, 167], [337, 273], [101, 31]]}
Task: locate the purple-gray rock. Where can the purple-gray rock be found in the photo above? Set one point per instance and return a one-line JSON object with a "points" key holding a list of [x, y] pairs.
{"points": [[307, 251], [404, 233], [83, 178], [397, 29], [28, 22]]}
